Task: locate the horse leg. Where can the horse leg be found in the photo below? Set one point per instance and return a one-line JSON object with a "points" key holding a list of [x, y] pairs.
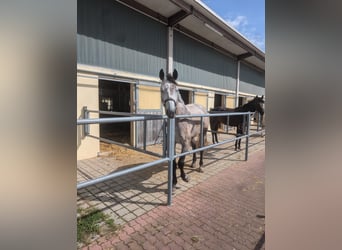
{"points": [[194, 157], [212, 126], [216, 129], [237, 138], [174, 178], [181, 167], [239, 133], [214, 135], [201, 162]]}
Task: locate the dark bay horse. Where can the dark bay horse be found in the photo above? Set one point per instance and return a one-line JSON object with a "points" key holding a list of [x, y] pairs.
{"points": [[234, 120], [187, 130]]}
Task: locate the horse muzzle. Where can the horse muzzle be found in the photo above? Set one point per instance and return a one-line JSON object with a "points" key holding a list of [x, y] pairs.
{"points": [[170, 108]]}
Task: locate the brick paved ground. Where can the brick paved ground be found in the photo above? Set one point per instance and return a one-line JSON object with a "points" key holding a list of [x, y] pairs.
{"points": [[223, 209]]}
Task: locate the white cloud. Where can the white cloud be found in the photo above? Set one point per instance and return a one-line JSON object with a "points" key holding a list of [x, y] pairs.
{"points": [[238, 22], [257, 41]]}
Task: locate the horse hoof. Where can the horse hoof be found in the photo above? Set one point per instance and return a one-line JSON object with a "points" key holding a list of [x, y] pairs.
{"points": [[174, 188], [200, 170], [186, 178], [194, 165]]}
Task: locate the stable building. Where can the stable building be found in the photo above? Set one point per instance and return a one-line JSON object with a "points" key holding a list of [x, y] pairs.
{"points": [[122, 45]]}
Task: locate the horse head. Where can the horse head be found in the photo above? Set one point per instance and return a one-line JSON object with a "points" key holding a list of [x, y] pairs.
{"points": [[256, 103], [169, 92]]}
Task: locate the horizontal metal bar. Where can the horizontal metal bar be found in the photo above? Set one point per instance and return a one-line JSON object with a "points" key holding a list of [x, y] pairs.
{"points": [[123, 113], [120, 173], [214, 113], [220, 132], [148, 117], [153, 116], [210, 146], [258, 132], [126, 146], [117, 119], [220, 113]]}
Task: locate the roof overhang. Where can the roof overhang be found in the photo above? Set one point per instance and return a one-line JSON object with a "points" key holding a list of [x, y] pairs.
{"points": [[195, 19]]}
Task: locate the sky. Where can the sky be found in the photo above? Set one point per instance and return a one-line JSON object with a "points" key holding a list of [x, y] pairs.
{"points": [[246, 16]]}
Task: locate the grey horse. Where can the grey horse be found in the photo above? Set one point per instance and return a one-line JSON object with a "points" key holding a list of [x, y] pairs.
{"points": [[188, 132]]}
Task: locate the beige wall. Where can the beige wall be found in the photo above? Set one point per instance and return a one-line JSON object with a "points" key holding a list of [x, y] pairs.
{"points": [[149, 97], [201, 98], [87, 95], [211, 100], [230, 101]]}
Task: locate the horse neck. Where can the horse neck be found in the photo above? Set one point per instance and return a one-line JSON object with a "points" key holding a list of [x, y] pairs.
{"points": [[181, 108], [245, 108]]}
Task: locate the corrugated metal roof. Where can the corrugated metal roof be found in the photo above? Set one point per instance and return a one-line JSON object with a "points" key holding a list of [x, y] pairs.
{"points": [[197, 19]]}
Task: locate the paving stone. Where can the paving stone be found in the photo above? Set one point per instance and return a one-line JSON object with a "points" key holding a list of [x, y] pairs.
{"points": [[129, 217], [216, 210]]}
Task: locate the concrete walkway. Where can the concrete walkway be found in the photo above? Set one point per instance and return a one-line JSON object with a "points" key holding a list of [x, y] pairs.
{"points": [[224, 210]]}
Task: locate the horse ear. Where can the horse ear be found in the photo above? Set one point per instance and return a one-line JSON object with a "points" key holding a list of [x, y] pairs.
{"points": [[262, 97], [161, 74], [175, 74]]}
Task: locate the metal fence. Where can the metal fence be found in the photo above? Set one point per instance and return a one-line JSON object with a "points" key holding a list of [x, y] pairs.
{"points": [[168, 154]]}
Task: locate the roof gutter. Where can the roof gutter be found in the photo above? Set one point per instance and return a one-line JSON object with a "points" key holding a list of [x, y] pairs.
{"points": [[208, 22]]}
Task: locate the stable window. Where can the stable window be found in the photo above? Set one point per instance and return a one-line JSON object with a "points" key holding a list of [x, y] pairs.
{"points": [[114, 96], [186, 95]]}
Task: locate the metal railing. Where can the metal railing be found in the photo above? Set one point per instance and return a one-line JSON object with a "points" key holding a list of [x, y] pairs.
{"points": [[169, 140]]}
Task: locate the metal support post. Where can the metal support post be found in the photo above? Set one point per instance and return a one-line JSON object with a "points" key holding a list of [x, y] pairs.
{"points": [[145, 133], [258, 121], [247, 133], [86, 116], [201, 136], [169, 60], [164, 139], [237, 88], [227, 127], [171, 153]]}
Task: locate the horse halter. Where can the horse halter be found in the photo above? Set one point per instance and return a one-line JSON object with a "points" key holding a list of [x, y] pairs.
{"points": [[169, 99], [167, 105], [169, 108]]}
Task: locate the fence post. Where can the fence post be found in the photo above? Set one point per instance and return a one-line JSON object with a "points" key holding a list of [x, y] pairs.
{"points": [[227, 127], [201, 135], [258, 122], [247, 133], [165, 141], [86, 116], [145, 134], [171, 153]]}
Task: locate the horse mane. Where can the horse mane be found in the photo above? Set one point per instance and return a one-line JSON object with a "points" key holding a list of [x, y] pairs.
{"points": [[220, 108], [170, 78], [180, 99], [245, 106], [242, 108]]}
